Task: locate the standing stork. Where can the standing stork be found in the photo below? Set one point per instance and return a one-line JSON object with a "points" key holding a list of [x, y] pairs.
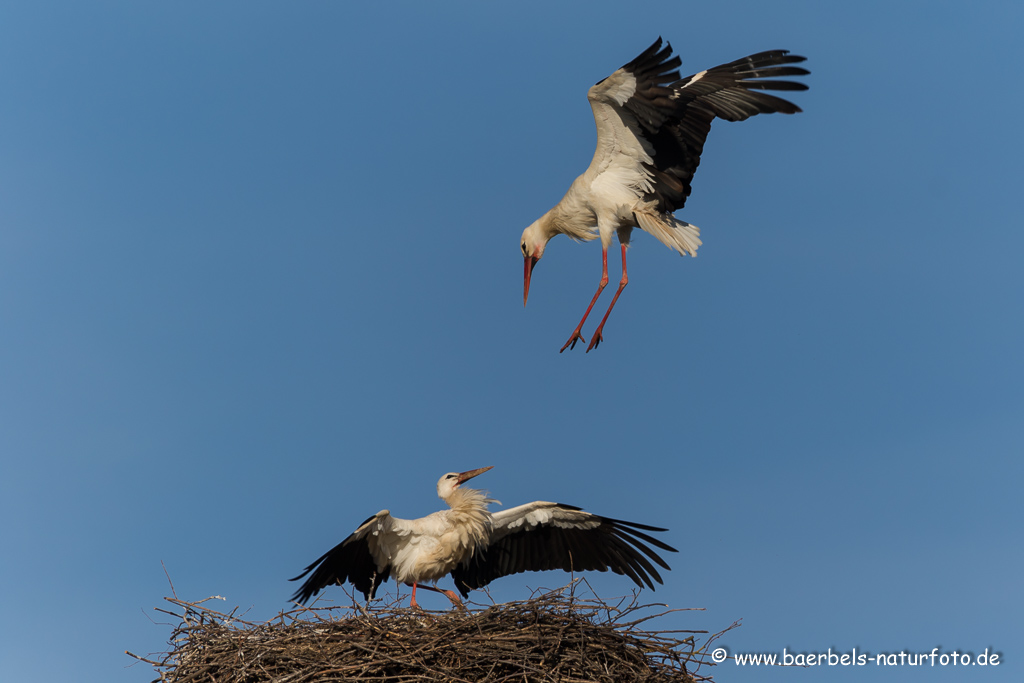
{"points": [[651, 128], [476, 547]]}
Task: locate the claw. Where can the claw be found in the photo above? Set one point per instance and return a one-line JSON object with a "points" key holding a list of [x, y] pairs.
{"points": [[571, 344]]}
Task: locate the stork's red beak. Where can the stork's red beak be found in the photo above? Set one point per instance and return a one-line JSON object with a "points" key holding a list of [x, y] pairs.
{"points": [[465, 476], [528, 263]]}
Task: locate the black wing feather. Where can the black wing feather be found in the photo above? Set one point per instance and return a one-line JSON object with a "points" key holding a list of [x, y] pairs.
{"points": [[675, 114], [351, 561], [613, 545]]}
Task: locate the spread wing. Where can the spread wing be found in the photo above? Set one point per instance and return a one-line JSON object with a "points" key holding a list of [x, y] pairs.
{"points": [[650, 119], [360, 559], [540, 535]]}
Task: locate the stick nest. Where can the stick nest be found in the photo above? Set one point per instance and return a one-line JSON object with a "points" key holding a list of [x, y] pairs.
{"points": [[553, 636]]}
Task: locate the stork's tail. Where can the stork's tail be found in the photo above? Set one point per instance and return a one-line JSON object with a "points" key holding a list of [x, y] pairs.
{"points": [[675, 234]]}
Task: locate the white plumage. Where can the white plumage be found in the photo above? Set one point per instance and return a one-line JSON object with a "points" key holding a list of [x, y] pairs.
{"points": [[651, 129]]}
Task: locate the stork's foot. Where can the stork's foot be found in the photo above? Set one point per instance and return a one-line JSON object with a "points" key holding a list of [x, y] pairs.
{"points": [[412, 601], [456, 602], [571, 344], [596, 339]]}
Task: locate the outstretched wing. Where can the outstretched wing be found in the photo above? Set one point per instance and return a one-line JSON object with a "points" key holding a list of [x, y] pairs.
{"points": [[357, 559], [646, 113], [540, 535]]}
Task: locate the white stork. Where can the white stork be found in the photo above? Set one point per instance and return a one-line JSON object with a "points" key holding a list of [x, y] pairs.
{"points": [[476, 547], [651, 128]]}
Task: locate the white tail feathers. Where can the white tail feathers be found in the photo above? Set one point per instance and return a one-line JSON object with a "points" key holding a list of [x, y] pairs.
{"points": [[672, 232]]}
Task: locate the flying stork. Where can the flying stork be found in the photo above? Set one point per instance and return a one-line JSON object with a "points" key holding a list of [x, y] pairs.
{"points": [[651, 128], [476, 546]]}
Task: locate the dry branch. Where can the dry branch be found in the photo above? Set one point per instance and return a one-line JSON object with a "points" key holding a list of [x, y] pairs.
{"points": [[554, 636]]}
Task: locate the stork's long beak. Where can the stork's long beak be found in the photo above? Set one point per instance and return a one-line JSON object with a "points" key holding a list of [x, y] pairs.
{"points": [[465, 476], [528, 263]]}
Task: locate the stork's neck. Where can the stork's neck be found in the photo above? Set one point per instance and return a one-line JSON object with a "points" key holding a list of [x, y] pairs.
{"points": [[470, 516], [535, 237], [573, 216], [469, 501]]}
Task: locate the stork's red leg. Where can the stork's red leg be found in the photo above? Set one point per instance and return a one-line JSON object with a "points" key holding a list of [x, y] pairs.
{"points": [[576, 336], [412, 603], [456, 602], [597, 338]]}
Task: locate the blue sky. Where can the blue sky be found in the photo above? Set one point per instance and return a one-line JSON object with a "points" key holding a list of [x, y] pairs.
{"points": [[260, 278]]}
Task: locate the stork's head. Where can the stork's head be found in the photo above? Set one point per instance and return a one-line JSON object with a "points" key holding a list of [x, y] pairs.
{"points": [[448, 483], [535, 238]]}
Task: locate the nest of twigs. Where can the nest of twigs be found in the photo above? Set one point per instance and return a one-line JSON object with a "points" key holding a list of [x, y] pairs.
{"points": [[554, 636]]}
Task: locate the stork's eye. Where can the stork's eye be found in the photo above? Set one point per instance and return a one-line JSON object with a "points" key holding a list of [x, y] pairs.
{"points": [[450, 476], [523, 247]]}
